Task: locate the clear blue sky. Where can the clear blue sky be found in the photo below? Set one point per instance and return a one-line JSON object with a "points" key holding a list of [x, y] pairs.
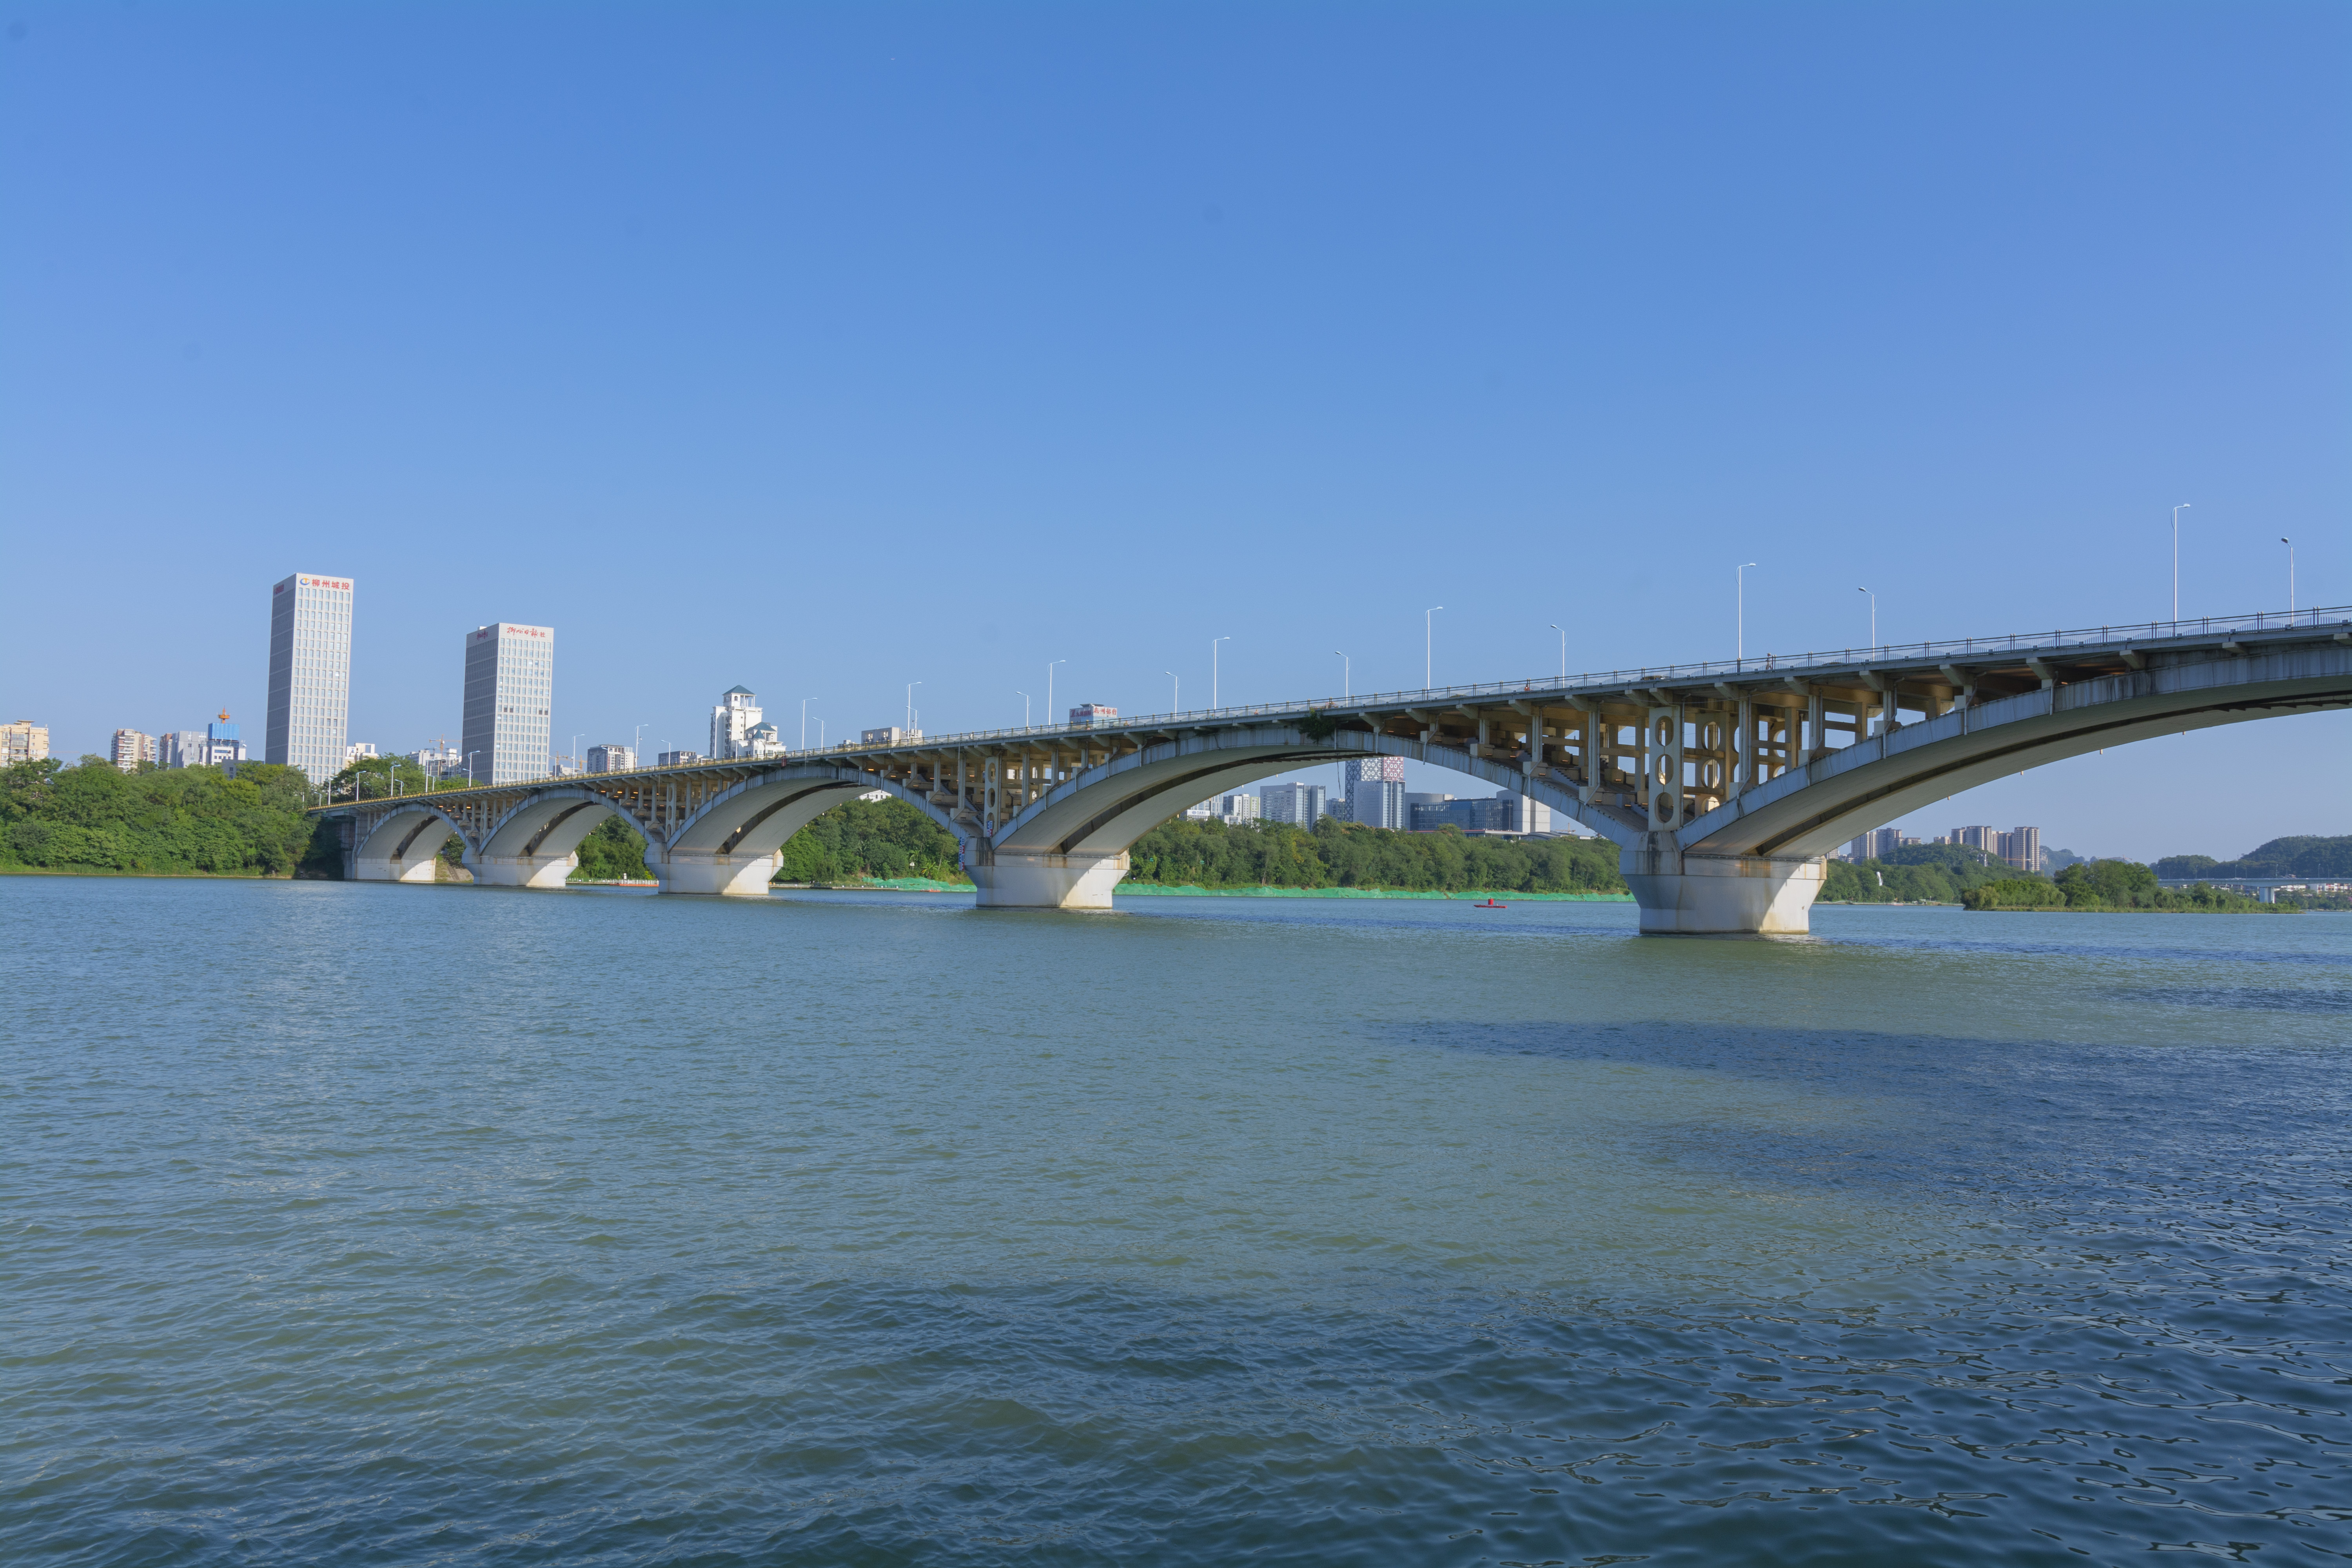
{"points": [[824, 350]]}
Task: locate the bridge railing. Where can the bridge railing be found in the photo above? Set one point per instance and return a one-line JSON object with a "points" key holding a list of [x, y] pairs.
{"points": [[1650, 675], [1948, 649]]}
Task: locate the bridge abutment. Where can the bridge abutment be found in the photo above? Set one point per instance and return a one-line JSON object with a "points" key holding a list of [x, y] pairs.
{"points": [[1709, 895], [710, 872], [1014, 880]]}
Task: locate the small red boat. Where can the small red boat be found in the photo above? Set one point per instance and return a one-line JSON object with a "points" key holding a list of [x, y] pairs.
{"points": [[1490, 904]]}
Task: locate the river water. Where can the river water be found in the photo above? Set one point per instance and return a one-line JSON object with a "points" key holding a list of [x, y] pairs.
{"points": [[368, 1224]]}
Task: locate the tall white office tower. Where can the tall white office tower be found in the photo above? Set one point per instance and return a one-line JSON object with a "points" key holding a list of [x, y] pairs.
{"points": [[309, 675], [510, 688]]}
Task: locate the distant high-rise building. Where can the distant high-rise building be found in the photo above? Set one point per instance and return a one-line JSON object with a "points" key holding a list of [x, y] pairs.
{"points": [[889, 735], [1985, 838], [357, 750], [510, 691], [309, 675], [180, 748], [439, 763], [1523, 815], [2021, 848], [1378, 802], [223, 749], [1390, 769], [677, 759], [132, 747], [731, 723], [612, 759], [1876, 845], [23, 742], [1298, 803], [1202, 812], [1236, 809]]}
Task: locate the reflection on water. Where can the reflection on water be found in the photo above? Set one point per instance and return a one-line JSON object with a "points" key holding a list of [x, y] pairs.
{"points": [[376, 1223]]}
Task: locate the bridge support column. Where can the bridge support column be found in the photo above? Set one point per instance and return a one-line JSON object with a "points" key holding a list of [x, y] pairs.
{"points": [[1707, 895], [516, 870], [1014, 880], [708, 871]]}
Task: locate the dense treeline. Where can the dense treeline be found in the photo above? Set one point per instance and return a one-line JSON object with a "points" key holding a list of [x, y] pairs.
{"points": [[1190, 853], [95, 818], [2114, 885], [871, 838], [2329, 858], [1917, 874]]}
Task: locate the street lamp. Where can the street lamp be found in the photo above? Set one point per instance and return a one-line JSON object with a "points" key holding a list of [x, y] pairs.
{"points": [[1428, 644], [1024, 706], [910, 705], [2289, 572], [1049, 690], [1739, 644], [1563, 648], [1874, 618], [1213, 668], [1175, 693], [469, 768], [2176, 558], [1346, 675]]}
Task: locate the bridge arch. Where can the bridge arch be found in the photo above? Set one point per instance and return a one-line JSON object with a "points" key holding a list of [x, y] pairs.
{"points": [[1072, 841], [1811, 811], [732, 843], [401, 845]]}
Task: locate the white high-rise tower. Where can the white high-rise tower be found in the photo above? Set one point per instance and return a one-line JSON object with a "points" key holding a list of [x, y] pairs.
{"points": [[731, 722], [510, 689], [310, 674]]}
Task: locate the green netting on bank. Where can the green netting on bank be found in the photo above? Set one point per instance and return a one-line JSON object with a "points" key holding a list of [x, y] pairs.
{"points": [[1501, 897]]}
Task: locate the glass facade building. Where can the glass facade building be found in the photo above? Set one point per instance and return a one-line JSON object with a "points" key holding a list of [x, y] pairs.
{"points": [[510, 691], [309, 675]]}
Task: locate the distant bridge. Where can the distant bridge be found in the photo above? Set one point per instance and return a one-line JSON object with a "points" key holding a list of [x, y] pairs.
{"points": [[1724, 785]]}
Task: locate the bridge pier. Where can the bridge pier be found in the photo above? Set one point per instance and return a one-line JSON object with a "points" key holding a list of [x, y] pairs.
{"points": [[712, 871], [519, 870], [1727, 895], [1012, 879]]}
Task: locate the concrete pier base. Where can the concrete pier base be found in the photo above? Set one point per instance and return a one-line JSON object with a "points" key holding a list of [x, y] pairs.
{"points": [[518, 871], [1012, 880], [710, 871], [1701, 895]]}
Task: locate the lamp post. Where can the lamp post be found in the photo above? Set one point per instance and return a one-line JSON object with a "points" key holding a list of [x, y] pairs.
{"points": [[1739, 641], [2289, 572], [469, 768], [1428, 644], [1213, 668], [2176, 558], [1175, 693], [638, 746], [1346, 675], [1563, 648], [910, 705], [1024, 706], [1874, 618]]}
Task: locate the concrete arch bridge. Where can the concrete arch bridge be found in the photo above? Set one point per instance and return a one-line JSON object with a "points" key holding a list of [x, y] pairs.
{"points": [[1724, 785]]}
